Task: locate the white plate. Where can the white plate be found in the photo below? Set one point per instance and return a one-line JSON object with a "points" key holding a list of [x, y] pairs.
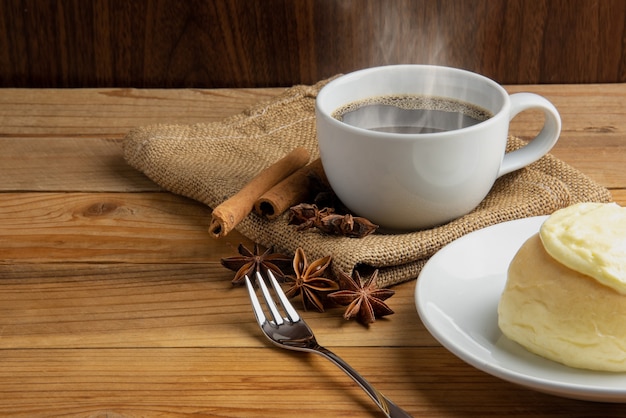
{"points": [[457, 295]]}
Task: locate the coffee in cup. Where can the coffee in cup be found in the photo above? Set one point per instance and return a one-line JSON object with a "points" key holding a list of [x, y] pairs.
{"points": [[411, 114], [414, 146]]}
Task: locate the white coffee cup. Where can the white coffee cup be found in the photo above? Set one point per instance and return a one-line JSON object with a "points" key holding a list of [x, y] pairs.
{"points": [[411, 181]]}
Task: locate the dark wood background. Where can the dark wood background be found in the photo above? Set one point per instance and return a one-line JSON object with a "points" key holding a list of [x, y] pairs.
{"points": [[258, 43]]}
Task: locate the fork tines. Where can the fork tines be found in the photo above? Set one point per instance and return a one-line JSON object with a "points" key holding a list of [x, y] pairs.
{"points": [[292, 314]]}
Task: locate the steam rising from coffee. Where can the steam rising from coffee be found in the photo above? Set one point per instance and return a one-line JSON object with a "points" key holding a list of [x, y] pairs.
{"points": [[411, 114]]}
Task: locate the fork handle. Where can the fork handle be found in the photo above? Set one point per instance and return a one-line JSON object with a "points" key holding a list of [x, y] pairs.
{"points": [[389, 408]]}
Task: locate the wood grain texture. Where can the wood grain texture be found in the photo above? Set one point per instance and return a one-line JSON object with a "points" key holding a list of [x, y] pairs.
{"points": [[592, 139], [238, 43], [113, 301], [242, 382], [111, 113], [167, 304], [112, 227], [73, 137]]}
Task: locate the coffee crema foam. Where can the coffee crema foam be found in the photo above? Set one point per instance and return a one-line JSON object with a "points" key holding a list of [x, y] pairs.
{"points": [[411, 114]]}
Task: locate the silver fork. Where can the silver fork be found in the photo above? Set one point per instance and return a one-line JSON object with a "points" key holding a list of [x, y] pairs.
{"points": [[293, 333]]}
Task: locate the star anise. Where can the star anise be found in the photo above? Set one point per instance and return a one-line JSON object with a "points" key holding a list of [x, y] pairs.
{"points": [[308, 280], [364, 299], [307, 215], [247, 263]]}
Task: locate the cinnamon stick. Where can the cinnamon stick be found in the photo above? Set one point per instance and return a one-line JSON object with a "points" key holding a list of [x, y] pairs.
{"points": [[293, 190], [227, 215]]}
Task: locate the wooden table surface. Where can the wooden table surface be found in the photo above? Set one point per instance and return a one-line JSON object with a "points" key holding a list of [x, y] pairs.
{"points": [[113, 301]]}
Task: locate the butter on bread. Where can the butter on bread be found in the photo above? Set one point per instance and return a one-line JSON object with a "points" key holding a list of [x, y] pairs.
{"points": [[571, 311], [591, 239]]}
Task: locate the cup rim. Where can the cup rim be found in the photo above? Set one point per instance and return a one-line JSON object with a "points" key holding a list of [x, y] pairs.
{"points": [[350, 77]]}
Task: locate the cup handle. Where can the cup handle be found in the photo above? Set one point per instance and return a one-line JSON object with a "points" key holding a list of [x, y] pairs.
{"points": [[543, 142]]}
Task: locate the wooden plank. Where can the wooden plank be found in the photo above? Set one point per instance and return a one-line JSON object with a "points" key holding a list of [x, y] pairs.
{"points": [[242, 382], [593, 131], [53, 113], [107, 227], [68, 165], [237, 44], [619, 195], [221, 381], [596, 113], [62, 152], [97, 164], [77, 305]]}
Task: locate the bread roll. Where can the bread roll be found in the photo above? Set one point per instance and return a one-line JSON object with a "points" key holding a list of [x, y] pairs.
{"points": [[562, 314]]}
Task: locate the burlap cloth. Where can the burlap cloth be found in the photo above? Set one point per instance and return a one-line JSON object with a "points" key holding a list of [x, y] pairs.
{"points": [[209, 162]]}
